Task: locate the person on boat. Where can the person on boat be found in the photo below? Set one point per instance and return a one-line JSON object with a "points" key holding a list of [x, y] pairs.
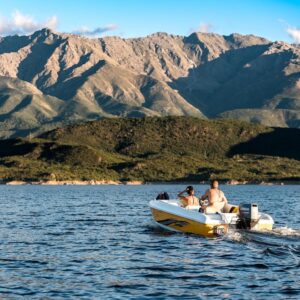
{"points": [[216, 199], [190, 199]]}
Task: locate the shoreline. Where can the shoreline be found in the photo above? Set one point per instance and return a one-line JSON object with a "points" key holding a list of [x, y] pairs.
{"points": [[138, 182]]}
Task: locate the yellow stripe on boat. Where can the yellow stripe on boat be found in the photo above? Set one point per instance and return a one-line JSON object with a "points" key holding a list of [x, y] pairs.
{"points": [[182, 224]]}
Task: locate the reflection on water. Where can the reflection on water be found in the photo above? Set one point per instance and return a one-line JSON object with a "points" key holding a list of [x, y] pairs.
{"points": [[86, 242]]}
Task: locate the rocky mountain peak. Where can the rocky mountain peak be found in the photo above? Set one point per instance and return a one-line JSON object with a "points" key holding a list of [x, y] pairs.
{"points": [[45, 34]]}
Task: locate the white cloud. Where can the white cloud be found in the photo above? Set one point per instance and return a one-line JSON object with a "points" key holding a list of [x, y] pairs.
{"points": [[294, 33], [24, 24], [203, 27], [95, 32], [20, 23], [52, 22]]}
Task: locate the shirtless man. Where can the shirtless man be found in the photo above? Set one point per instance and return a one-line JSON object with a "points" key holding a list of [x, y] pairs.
{"points": [[216, 198]]}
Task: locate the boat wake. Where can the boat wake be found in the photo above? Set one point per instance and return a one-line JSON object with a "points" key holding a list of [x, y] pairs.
{"points": [[234, 235], [246, 236], [285, 231]]}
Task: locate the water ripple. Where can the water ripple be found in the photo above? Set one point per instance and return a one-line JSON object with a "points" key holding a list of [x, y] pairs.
{"points": [[86, 242]]}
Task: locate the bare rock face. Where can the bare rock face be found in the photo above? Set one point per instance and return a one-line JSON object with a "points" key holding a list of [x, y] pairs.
{"points": [[51, 78]]}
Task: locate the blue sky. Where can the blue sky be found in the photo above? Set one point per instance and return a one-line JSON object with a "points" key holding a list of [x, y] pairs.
{"points": [[132, 18]]}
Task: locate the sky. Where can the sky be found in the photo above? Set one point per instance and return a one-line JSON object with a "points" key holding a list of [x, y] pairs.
{"points": [[272, 19]]}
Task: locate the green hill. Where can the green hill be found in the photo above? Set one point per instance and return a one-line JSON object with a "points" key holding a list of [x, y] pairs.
{"points": [[155, 149]]}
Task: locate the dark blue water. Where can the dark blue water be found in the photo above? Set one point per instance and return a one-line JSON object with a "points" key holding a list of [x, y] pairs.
{"points": [[99, 242]]}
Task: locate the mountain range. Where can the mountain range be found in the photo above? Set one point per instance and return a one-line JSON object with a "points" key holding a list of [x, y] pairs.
{"points": [[50, 79]]}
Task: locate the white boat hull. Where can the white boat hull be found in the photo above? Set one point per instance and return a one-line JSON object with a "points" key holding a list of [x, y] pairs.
{"points": [[168, 214]]}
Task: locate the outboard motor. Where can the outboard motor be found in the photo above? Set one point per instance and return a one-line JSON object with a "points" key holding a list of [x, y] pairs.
{"points": [[248, 217]]}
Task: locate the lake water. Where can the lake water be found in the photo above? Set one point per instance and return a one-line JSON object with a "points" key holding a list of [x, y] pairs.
{"points": [[99, 242]]}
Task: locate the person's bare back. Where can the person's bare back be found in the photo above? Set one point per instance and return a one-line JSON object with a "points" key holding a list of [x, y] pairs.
{"points": [[189, 200], [216, 198]]}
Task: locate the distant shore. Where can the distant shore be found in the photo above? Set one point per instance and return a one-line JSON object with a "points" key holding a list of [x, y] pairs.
{"points": [[137, 182], [73, 182]]}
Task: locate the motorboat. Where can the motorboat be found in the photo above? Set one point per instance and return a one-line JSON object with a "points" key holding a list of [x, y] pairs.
{"points": [[171, 215]]}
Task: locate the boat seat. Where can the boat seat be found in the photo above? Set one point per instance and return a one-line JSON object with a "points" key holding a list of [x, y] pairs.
{"points": [[193, 207], [230, 209]]}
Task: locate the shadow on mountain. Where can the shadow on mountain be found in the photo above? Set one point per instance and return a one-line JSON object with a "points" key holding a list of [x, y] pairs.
{"points": [[13, 43], [122, 166], [65, 73], [35, 62], [111, 105], [67, 90], [14, 147], [282, 142], [289, 103], [238, 78], [76, 155], [24, 103]]}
